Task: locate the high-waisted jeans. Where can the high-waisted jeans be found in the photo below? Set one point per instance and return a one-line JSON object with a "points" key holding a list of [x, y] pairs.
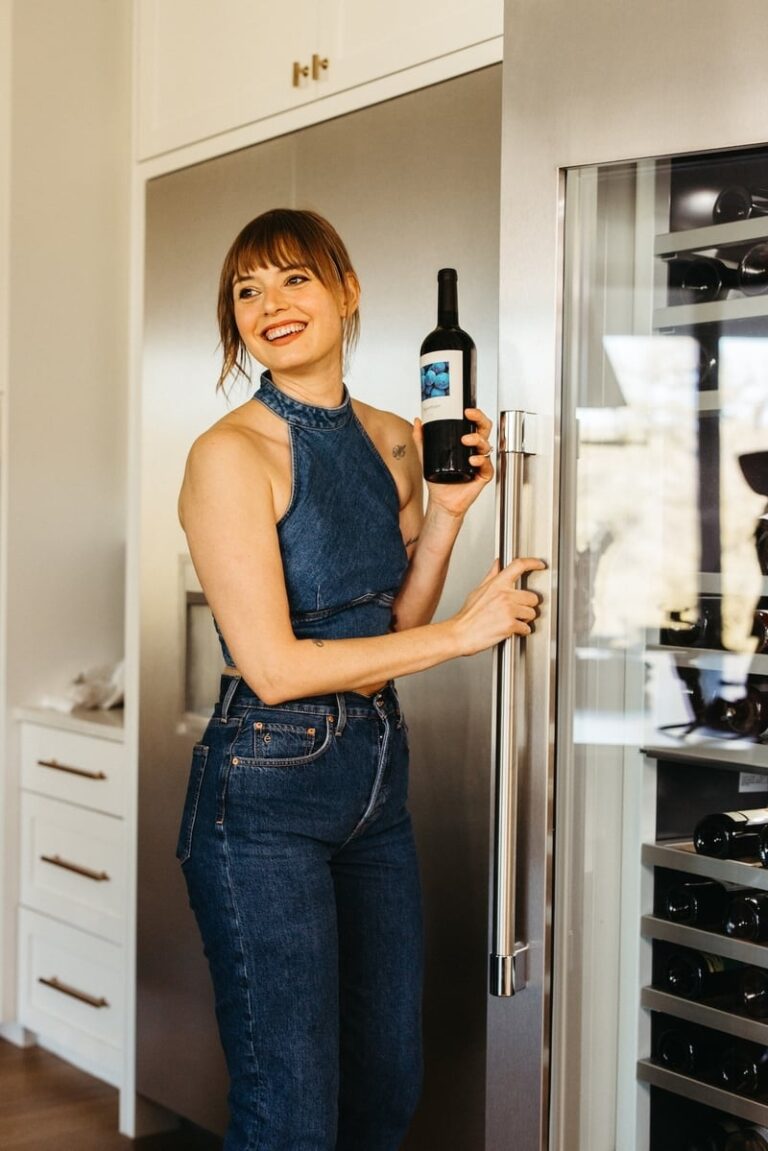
{"points": [[301, 869]]}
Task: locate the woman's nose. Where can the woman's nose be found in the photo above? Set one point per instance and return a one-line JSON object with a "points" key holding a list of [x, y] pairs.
{"points": [[273, 300]]}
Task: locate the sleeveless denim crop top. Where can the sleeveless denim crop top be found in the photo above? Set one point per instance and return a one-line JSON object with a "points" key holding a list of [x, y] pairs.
{"points": [[340, 540]]}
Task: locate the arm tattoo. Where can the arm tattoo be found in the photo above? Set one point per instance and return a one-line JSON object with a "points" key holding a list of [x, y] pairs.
{"points": [[398, 451], [412, 540], [318, 643]]}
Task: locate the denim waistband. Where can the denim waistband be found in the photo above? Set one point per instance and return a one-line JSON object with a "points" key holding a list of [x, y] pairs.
{"points": [[236, 697]]}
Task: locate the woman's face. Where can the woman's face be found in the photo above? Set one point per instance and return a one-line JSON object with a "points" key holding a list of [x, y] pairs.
{"points": [[290, 321]]}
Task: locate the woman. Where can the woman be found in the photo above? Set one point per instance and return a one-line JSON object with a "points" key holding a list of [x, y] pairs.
{"points": [[303, 512]]}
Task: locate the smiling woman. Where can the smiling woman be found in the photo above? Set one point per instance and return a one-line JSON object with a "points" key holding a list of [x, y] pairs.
{"points": [[303, 510]]}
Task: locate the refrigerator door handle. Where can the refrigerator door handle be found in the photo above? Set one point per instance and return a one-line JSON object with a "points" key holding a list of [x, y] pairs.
{"points": [[507, 964]]}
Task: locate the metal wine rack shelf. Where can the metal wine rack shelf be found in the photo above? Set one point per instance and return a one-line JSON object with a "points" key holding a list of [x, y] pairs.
{"points": [[713, 236], [686, 315], [711, 658], [680, 856], [743, 950], [739, 754], [700, 1092], [741, 1026]]}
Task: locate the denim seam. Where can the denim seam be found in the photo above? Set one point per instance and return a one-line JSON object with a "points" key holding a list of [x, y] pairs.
{"points": [[293, 499], [202, 750], [253, 1141], [223, 780], [373, 798]]}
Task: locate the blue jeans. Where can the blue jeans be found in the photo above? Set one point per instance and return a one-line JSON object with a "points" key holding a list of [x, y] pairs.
{"points": [[301, 869]]}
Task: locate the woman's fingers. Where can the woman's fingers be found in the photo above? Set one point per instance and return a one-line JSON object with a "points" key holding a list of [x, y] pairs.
{"points": [[479, 439]]}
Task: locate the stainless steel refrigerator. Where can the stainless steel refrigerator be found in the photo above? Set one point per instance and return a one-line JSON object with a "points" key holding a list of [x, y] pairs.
{"points": [[412, 185]]}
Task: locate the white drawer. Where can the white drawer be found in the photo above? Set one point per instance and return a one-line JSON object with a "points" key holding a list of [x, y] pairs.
{"points": [[77, 768], [73, 864], [71, 993]]}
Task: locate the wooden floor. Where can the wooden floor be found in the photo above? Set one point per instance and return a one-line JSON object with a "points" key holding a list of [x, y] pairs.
{"points": [[48, 1105]]}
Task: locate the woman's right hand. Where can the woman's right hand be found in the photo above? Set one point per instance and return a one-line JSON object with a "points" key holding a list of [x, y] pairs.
{"points": [[496, 609]]}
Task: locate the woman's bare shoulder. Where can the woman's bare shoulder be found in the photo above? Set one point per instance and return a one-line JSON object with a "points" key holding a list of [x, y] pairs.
{"points": [[385, 423]]}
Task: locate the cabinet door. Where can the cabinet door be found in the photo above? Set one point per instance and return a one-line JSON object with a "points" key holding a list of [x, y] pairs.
{"points": [[363, 42], [205, 68]]}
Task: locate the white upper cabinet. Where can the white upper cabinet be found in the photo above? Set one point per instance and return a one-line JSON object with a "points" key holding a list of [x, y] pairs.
{"points": [[205, 68]]}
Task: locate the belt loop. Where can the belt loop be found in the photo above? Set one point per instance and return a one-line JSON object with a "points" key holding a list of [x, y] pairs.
{"points": [[229, 695], [342, 712]]}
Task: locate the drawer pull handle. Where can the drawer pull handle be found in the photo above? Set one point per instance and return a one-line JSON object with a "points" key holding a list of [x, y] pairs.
{"points": [[319, 64], [298, 72], [54, 763], [65, 989], [57, 861]]}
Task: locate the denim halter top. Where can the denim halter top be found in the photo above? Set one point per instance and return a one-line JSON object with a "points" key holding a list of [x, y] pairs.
{"points": [[340, 540]]}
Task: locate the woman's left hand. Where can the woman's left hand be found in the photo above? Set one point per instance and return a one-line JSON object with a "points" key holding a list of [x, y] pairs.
{"points": [[457, 498]]}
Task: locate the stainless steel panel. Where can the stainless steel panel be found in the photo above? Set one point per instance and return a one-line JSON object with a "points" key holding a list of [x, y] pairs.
{"points": [[379, 175]]}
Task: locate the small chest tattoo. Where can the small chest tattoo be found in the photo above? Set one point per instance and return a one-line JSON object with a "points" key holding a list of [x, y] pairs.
{"points": [[398, 451]]}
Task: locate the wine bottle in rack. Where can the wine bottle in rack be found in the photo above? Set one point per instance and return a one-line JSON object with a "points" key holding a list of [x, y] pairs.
{"points": [[699, 975], [747, 916], [743, 716], [731, 834], [748, 1139], [743, 1068], [739, 203], [448, 369], [752, 275], [754, 992], [699, 279], [686, 1049], [697, 903], [715, 1136]]}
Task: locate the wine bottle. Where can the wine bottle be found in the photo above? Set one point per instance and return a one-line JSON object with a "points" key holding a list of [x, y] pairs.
{"points": [[686, 1049], [754, 992], [748, 916], [744, 717], [697, 902], [748, 1139], [743, 1067], [448, 369], [739, 203], [699, 975], [713, 1136], [699, 279], [730, 834], [753, 271]]}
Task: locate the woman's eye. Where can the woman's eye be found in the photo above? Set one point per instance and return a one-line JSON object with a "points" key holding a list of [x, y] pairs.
{"points": [[297, 278], [246, 293]]}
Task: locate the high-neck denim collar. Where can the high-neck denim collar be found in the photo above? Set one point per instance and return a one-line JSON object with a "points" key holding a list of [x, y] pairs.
{"points": [[304, 415]]}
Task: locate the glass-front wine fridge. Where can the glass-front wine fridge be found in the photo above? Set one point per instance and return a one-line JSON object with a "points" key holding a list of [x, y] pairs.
{"points": [[661, 856]]}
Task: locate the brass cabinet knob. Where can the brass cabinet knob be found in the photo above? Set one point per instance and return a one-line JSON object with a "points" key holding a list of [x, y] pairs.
{"points": [[299, 71], [319, 64]]}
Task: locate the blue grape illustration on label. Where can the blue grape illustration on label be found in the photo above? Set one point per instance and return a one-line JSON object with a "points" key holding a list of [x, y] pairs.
{"points": [[435, 380]]}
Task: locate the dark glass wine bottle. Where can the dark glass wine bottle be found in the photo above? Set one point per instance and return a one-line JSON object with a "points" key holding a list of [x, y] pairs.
{"points": [[744, 717], [448, 371], [699, 279], [686, 1049], [699, 975], [712, 1136], [730, 834], [697, 902], [748, 916], [739, 203], [748, 1139], [754, 992], [753, 271], [743, 1067]]}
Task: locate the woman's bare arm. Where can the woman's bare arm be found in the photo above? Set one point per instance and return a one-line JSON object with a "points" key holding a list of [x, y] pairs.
{"points": [[227, 511]]}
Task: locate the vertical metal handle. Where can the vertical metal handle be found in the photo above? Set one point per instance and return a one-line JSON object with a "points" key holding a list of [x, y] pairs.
{"points": [[507, 956]]}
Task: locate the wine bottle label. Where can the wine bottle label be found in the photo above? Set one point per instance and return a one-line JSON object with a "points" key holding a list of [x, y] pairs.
{"points": [[753, 818], [715, 963], [442, 385]]}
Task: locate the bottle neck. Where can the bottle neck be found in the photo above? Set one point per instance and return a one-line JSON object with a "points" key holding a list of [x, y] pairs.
{"points": [[447, 299]]}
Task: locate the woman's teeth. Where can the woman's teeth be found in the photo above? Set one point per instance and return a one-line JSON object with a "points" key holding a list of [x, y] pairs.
{"points": [[285, 330]]}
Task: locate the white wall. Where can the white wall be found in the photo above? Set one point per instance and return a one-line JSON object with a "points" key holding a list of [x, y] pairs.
{"points": [[65, 172]]}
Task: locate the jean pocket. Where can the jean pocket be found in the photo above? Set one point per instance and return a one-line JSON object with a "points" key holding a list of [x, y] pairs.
{"points": [[272, 743], [189, 813]]}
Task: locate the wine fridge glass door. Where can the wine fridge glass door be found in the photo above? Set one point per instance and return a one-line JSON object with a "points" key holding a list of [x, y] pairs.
{"points": [[663, 609]]}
